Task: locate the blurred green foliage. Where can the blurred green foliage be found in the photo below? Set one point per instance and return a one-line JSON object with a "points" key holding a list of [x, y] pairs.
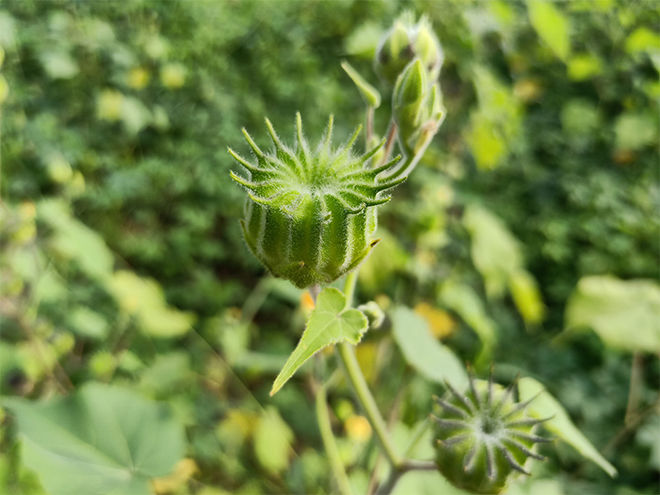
{"points": [[121, 258]]}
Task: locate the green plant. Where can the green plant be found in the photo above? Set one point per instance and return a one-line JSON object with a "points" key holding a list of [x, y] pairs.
{"points": [[311, 217]]}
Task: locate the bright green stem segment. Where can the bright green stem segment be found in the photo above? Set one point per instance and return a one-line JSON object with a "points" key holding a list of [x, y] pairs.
{"points": [[355, 376], [323, 419]]}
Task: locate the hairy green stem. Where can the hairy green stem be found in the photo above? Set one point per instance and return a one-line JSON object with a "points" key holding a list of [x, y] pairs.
{"points": [[355, 376], [329, 443]]}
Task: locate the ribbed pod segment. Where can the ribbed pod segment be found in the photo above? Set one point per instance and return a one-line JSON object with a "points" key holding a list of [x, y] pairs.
{"points": [[311, 215], [484, 437]]}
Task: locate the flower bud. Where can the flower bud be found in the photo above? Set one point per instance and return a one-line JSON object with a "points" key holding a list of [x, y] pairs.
{"points": [[310, 216], [483, 438], [405, 41], [409, 97], [416, 108]]}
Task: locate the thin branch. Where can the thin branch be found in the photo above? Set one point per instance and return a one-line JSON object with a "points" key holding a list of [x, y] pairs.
{"points": [[329, 443]]}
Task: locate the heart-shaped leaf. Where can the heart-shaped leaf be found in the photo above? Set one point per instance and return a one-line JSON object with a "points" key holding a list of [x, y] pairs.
{"points": [[330, 323], [103, 439]]}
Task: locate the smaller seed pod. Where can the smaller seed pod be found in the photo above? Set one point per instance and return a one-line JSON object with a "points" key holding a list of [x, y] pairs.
{"points": [[405, 41], [484, 438], [310, 216]]}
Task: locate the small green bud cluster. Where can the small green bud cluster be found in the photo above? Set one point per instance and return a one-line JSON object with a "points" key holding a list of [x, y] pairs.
{"points": [[484, 437], [311, 214], [404, 42], [416, 107]]}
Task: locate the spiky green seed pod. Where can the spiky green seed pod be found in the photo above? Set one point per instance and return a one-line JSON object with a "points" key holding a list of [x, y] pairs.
{"points": [[484, 438], [311, 214], [405, 41]]}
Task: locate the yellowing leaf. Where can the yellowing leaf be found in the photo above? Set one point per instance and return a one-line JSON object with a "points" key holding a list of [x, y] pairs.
{"points": [[527, 297], [625, 314], [546, 406], [643, 39], [440, 322], [329, 323], [551, 25], [357, 428], [183, 471], [584, 66], [144, 299]]}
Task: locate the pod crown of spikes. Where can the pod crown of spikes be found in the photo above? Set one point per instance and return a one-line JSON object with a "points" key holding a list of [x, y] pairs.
{"points": [[484, 437], [285, 177]]}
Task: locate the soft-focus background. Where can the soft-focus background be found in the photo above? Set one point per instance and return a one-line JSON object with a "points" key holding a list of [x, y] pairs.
{"points": [[121, 259]]}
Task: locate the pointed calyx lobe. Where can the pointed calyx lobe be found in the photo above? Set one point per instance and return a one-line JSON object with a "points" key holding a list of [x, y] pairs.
{"points": [[483, 437], [311, 213]]}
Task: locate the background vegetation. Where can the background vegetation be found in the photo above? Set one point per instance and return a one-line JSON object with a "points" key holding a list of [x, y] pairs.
{"points": [[121, 259]]}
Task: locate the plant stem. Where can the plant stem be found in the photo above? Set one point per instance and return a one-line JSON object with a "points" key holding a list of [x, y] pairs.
{"points": [[369, 131], [355, 376], [349, 287], [395, 474], [323, 419]]}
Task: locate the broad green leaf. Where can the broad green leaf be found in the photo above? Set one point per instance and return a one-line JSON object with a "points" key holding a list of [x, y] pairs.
{"points": [[425, 483], [144, 299], [59, 64], [648, 436], [103, 440], [272, 441], [495, 252], [635, 130], [329, 323], [368, 92], [545, 405], [584, 66], [468, 305], [88, 323], [551, 25], [363, 41], [424, 353], [625, 314], [643, 39], [75, 241]]}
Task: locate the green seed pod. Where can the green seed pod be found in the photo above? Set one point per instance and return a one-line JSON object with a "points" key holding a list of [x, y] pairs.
{"points": [[483, 437], [311, 214], [405, 41]]}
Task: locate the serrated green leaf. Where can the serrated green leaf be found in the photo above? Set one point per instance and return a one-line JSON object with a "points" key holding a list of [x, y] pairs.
{"points": [[368, 92], [551, 25], [329, 323], [617, 309], [545, 405], [104, 439], [424, 353]]}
